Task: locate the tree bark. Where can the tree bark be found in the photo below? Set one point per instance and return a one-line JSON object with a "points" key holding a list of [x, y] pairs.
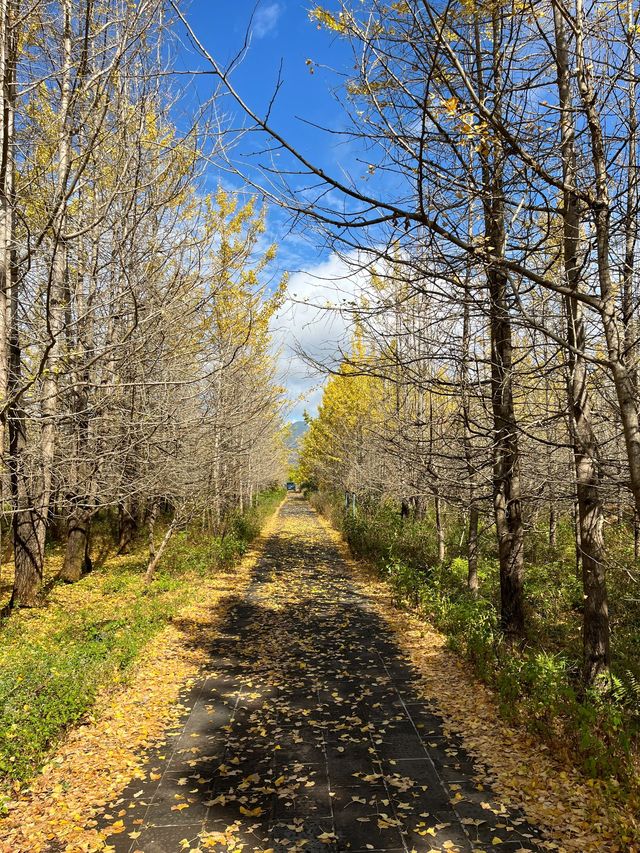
{"points": [[507, 502], [440, 529], [77, 560], [585, 445], [553, 526], [128, 525], [57, 286], [27, 549], [472, 531], [472, 550], [153, 563], [28, 553], [151, 529], [622, 375]]}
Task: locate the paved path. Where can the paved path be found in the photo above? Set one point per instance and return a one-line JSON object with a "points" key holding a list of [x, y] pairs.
{"points": [[308, 733]]}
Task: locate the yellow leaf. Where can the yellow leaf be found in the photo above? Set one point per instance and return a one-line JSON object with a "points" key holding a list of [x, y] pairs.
{"points": [[450, 105], [251, 812]]}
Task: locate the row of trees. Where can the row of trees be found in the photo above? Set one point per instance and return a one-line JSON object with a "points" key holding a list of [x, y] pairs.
{"points": [[494, 205], [135, 365]]}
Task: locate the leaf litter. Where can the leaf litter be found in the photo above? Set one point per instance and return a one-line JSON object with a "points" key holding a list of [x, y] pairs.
{"points": [[576, 813], [62, 808], [301, 698], [310, 694]]}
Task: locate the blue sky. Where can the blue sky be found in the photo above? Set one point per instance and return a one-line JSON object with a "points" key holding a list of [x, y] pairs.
{"points": [[281, 32], [282, 40]]}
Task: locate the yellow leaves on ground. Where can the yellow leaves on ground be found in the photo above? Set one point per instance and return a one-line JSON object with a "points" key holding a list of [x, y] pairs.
{"points": [[62, 809], [64, 803], [576, 812], [327, 837]]}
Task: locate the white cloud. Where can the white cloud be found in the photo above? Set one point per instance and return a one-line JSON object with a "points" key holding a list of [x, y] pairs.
{"points": [[266, 19], [315, 322]]}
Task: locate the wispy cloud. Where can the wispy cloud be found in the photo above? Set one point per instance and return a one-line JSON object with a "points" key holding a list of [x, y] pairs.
{"points": [[266, 19], [314, 323]]}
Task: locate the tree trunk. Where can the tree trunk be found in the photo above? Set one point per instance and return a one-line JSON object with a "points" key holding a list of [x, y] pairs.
{"points": [[472, 550], [28, 551], [151, 529], [153, 563], [595, 630], [506, 464], [27, 548], [28, 558], [419, 507], [77, 559], [57, 286], [440, 529], [128, 525], [623, 376], [577, 538], [553, 526], [8, 36], [596, 608], [507, 503], [472, 532]]}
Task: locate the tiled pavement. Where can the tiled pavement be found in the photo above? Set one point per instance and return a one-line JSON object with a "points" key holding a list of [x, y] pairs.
{"points": [[308, 733]]}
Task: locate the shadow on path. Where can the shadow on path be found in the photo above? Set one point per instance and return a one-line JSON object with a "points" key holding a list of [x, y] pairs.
{"points": [[308, 732]]}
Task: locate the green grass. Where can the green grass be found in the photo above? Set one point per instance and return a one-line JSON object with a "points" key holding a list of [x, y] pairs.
{"points": [[55, 660], [52, 668]]}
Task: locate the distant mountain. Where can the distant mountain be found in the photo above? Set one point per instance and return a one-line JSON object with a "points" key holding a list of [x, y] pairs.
{"points": [[296, 431]]}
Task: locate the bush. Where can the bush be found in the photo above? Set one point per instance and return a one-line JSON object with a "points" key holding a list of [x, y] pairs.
{"points": [[246, 526]]}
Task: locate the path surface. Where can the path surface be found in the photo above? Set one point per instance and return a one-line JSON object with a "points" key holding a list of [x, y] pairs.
{"points": [[308, 733]]}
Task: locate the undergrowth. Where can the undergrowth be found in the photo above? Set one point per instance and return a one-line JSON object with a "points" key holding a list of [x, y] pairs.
{"points": [[538, 684], [54, 660]]}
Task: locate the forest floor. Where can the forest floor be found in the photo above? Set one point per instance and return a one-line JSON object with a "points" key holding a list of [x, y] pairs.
{"points": [[314, 716]]}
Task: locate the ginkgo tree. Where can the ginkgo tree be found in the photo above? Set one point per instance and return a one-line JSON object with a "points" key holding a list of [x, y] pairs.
{"points": [[335, 449], [237, 327], [136, 369]]}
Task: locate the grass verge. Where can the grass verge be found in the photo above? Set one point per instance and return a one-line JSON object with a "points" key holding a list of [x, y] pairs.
{"points": [[55, 660]]}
